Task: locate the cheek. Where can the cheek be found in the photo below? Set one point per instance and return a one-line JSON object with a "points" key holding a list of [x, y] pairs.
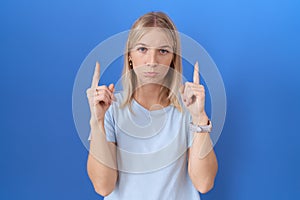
{"points": [[167, 65], [136, 61], [163, 70], [138, 70], [168, 60]]}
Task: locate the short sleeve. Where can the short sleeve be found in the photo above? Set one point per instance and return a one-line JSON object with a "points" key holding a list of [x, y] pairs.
{"points": [[109, 125]]}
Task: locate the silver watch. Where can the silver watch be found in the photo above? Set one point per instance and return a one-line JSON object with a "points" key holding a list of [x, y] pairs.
{"points": [[201, 129]]}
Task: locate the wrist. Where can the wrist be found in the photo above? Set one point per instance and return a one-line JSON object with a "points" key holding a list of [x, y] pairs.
{"points": [[96, 122], [201, 119]]}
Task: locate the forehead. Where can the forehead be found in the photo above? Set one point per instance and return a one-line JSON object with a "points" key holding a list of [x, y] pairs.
{"points": [[156, 37]]}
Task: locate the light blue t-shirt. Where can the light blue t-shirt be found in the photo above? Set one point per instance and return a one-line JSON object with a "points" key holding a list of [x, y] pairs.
{"points": [[151, 152]]}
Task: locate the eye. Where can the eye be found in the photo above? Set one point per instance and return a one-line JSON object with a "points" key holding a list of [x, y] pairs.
{"points": [[142, 49], [163, 51]]}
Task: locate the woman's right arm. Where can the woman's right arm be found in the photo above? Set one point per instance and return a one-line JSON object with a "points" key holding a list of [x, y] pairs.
{"points": [[101, 164]]}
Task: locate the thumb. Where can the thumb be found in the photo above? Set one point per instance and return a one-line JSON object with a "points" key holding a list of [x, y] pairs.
{"points": [[181, 89], [111, 87]]}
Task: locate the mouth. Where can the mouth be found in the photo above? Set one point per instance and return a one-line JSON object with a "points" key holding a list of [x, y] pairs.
{"points": [[150, 74]]}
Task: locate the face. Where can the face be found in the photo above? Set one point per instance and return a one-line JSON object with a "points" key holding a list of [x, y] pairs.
{"points": [[152, 56]]}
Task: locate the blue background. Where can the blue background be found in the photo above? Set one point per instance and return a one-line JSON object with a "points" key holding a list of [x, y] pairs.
{"points": [[255, 45]]}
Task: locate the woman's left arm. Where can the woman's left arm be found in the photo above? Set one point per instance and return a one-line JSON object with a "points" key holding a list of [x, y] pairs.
{"points": [[202, 161]]}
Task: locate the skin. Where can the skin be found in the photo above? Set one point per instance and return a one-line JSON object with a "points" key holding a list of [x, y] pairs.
{"points": [[202, 161], [151, 54], [103, 176]]}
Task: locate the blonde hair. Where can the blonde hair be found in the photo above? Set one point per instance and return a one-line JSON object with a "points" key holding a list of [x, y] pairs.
{"points": [[173, 78]]}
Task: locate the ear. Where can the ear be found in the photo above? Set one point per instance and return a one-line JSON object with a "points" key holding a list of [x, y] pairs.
{"points": [[130, 62]]}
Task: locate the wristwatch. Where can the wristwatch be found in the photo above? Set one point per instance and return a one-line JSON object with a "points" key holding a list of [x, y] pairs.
{"points": [[201, 129]]}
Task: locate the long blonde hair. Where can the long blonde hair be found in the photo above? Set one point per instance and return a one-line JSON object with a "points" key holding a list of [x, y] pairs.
{"points": [[173, 78]]}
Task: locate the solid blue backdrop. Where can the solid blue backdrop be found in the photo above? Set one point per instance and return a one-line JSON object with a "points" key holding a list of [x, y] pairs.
{"points": [[255, 45]]}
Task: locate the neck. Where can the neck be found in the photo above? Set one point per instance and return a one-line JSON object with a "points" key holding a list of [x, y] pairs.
{"points": [[149, 97]]}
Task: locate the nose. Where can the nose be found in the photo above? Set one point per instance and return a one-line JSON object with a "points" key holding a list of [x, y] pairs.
{"points": [[152, 58]]}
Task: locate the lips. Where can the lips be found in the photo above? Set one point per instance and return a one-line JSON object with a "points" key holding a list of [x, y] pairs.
{"points": [[150, 74]]}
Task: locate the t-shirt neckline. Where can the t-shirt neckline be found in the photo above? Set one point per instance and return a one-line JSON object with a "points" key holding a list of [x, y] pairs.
{"points": [[163, 110]]}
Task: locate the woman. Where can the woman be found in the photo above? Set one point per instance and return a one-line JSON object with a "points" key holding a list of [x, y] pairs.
{"points": [[144, 140]]}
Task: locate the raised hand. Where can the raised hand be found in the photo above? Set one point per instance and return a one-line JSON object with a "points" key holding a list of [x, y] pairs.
{"points": [[193, 96], [99, 97]]}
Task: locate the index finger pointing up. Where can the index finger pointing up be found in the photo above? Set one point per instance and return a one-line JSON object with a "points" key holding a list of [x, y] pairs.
{"points": [[96, 76], [196, 77]]}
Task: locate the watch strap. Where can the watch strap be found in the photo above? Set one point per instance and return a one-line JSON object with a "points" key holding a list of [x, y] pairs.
{"points": [[201, 129]]}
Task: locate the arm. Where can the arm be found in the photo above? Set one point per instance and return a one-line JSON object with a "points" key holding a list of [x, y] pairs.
{"points": [[202, 161], [101, 165]]}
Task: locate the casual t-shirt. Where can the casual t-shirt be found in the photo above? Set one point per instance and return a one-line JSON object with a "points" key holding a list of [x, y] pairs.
{"points": [[151, 152]]}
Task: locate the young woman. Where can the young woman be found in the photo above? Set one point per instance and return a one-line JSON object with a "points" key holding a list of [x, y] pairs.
{"points": [[150, 141]]}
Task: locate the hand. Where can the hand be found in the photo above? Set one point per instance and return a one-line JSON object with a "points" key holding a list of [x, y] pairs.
{"points": [[193, 96], [99, 97]]}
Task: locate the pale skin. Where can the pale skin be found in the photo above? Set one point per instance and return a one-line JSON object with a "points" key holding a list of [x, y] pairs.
{"points": [[203, 165], [150, 58], [101, 165]]}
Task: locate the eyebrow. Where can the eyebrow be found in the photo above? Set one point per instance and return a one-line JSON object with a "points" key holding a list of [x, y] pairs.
{"points": [[163, 46]]}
